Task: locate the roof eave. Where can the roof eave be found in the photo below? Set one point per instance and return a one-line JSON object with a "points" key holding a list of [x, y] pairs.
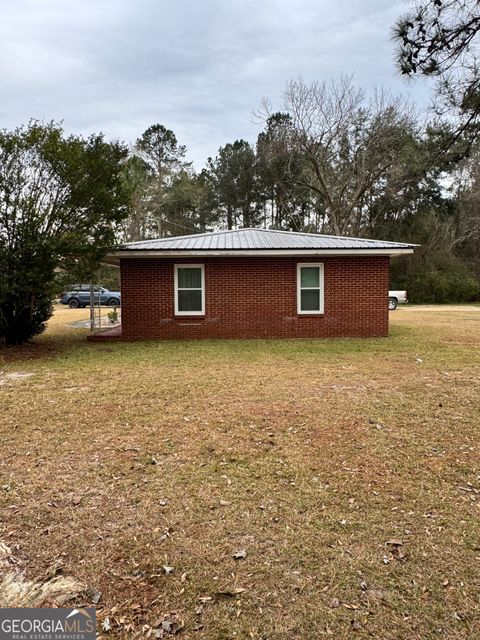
{"points": [[114, 258]]}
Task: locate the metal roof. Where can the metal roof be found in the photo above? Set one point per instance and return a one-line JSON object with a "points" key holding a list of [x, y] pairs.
{"points": [[259, 240]]}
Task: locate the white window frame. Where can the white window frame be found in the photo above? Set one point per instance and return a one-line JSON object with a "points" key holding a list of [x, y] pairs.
{"points": [[176, 289], [320, 288]]}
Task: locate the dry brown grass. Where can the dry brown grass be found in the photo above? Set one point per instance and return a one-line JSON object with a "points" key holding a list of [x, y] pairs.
{"points": [[121, 459]]}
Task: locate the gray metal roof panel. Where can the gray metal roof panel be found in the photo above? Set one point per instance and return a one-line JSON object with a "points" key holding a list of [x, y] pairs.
{"points": [[258, 239]]}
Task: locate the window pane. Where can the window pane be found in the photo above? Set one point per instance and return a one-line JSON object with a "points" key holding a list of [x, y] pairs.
{"points": [[310, 300], [189, 278], [310, 277], [189, 300]]}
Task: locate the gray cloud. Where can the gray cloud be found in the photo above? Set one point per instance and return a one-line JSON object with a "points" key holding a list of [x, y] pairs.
{"points": [[199, 68]]}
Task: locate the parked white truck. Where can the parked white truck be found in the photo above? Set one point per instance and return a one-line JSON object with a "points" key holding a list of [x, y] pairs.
{"points": [[395, 298]]}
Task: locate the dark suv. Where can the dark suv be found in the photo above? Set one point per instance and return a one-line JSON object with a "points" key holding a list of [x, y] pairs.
{"points": [[79, 296]]}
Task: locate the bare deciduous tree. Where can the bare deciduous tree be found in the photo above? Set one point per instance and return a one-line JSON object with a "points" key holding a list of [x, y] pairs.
{"points": [[351, 147]]}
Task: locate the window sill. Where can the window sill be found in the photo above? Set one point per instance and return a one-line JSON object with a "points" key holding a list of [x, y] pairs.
{"points": [[310, 314], [190, 314]]}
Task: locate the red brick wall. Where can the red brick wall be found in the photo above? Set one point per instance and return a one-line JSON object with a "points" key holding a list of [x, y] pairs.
{"points": [[256, 298]]}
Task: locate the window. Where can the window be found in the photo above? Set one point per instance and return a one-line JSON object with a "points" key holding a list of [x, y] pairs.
{"points": [[310, 288], [189, 290]]}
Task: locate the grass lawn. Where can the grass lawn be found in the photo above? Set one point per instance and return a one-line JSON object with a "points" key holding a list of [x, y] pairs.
{"points": [[312, 456]]}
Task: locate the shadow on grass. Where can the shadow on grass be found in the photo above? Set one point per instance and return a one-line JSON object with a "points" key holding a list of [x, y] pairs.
{"points": [[44, 347]]}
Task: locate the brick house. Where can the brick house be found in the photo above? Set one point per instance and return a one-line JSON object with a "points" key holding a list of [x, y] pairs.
{"points": [[254, 283]]}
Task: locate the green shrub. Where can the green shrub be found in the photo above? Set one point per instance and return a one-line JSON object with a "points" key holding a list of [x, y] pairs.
{"points": [[26, 275], [442, 278]]}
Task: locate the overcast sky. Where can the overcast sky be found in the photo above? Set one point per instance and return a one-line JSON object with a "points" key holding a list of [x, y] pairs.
{"points": [[200, 67]]}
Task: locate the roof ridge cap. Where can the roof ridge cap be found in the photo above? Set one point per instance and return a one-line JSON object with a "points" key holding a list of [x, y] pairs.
{"points": [[189, 235]]}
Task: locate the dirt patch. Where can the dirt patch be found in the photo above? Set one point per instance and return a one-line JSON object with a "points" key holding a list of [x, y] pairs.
{"points": [[13, 376], [17, 591]]}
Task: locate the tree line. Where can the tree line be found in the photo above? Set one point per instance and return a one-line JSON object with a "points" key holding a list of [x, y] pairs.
{"points": [[332, 161]]}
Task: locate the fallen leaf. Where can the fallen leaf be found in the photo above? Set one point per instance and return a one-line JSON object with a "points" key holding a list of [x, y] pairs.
{"points": [[334, 603], [374, 595], [167, 626], [231, 592], [469, 489]]}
